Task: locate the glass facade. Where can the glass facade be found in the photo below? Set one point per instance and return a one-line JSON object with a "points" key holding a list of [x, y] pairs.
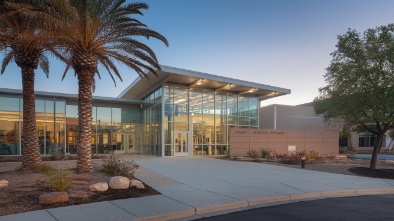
{"points": [[196, 122], [150, 133], [113, 129], [171, 120], [50, 116]]}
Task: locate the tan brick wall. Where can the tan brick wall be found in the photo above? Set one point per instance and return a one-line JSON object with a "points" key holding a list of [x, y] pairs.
{"points": [[324, 141]]}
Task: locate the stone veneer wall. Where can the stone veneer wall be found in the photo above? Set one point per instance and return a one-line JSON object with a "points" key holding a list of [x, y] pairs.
{"points": [[324, 141]]}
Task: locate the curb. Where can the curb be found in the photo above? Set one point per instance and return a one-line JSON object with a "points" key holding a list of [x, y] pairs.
{"points": [[266, 202], [169, 216]]}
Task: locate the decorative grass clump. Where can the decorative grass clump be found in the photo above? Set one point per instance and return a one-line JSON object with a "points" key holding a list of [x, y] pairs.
{"points": [[118, 167], [59, 179]]}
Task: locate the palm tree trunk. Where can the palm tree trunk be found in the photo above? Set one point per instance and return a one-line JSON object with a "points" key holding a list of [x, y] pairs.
{"points": [[85, 81], [31, 152]]}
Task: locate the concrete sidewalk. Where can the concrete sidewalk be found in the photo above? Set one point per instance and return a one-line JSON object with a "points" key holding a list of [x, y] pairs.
{"points": [[195, 186]]}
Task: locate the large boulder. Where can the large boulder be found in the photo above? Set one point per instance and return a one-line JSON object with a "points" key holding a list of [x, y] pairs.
{"points": [[138, 184], [3, 183], [99, 187], [119, 182], [53, 197]]}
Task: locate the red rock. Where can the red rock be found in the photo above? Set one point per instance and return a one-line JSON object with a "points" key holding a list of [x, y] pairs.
{"points": [[79, 182], [341, 157], [53, 197]]}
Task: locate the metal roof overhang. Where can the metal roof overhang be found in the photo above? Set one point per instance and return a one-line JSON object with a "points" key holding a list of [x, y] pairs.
{"points": [[73, 97], [199, 81]]}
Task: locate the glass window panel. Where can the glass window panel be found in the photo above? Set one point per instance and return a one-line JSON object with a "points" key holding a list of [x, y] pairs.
{"points": [[221, 149], [40, 108], [181, 126], [94, 114], [168, 150], [60, 107], [103, 137], [232, 120], [168, 103], [168, 132], [72, 111], [232, 105], [9, 104], [104, 114], [244, 121], [116, 115], [221, 134], [9, 136], [243, 106], [254, 122], [181, 112], [196, 106], [60, 139], [253, 107], [220, 104], [208, 108], [49, 107]]}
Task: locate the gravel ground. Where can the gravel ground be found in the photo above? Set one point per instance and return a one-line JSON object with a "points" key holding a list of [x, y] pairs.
{"points": [[24, 188]]}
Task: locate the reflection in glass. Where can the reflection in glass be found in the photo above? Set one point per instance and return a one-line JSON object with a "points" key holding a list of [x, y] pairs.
{"points": [[9, 127]]}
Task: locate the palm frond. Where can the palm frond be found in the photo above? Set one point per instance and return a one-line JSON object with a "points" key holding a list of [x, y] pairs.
{"points": [[44, 64], [7, 59], [65, 71]]}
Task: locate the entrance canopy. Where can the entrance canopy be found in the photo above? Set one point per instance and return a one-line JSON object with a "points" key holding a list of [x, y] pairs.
{"points": [[198, 80]]}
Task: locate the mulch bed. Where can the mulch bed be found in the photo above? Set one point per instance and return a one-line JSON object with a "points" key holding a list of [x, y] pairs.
{"points": [[351, 166], [377, 173], [24, 189]]}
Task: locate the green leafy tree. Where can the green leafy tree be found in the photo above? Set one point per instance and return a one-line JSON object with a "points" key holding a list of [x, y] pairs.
{"points": [[101, 32], [25, 39], [360, 80]]}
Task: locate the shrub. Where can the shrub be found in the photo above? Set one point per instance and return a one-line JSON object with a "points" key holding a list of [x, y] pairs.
{"points": [[59, 179], [343, 150], [254, 154], [265, 153], [118, 167], [310, 158]]}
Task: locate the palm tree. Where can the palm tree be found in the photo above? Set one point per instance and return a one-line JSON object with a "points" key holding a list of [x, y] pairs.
{"points": [[100, 32], [25, 40]]}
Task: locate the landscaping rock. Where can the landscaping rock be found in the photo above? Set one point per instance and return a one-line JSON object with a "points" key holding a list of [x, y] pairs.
{"points": [[53, 197], [119, 183], [3, 183], [80, 182], [99, 187], [341, 157], [138, 184], [79, 194]]}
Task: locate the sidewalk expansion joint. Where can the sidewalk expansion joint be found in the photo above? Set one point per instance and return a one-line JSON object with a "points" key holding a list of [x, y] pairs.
{"points": [[51, 215], [123, 209]]}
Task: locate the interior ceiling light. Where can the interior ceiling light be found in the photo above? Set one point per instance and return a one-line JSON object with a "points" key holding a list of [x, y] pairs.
{"points": [[199, 82], [252, 90], [271, 94]]}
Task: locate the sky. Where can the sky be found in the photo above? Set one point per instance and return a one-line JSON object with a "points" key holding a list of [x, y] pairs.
{"points": [[282, 43]]}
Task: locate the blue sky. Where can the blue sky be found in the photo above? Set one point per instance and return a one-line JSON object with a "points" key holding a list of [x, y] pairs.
{"points": [[284, 43]]}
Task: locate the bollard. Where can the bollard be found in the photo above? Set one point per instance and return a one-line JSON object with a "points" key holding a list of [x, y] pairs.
{"points": [[303, 158]]}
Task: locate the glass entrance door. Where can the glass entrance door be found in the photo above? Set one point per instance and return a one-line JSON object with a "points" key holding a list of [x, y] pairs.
{"points": [[181, 143], [124, 143], [129, 143]]}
